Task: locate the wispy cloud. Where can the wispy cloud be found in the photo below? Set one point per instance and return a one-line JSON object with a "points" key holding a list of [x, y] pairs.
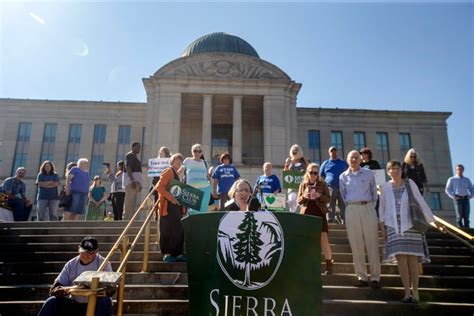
{"points": [[37, 18]]}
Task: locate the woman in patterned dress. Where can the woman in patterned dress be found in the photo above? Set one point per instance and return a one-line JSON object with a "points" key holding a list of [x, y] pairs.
{"points": [[403, 243]]}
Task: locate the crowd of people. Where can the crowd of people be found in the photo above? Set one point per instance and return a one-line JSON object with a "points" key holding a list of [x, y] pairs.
{"points": [[343, 191]]}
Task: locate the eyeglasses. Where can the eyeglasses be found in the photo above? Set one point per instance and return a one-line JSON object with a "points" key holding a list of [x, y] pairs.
{"points": [[314, 173], [197, 151], [412, 156]]}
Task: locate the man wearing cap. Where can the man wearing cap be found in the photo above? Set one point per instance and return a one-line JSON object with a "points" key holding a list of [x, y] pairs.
{"points": [[59, 302], [15, 188], [330, 170]]}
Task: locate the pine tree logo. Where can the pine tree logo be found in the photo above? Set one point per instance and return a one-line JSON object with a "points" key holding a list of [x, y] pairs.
{"points": [[250, 248], [175, 191]]}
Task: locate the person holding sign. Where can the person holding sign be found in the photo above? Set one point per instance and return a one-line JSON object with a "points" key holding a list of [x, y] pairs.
{"points": [[313, 197], [295, 162], [197, 175], [367, 161], [171, 212], [164, 152]]}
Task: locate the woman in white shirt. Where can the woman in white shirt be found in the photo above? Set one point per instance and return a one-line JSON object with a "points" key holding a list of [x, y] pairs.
{"points": [[403, 243], [196, 173]]}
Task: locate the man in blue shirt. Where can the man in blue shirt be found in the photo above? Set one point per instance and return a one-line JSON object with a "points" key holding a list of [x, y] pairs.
{"points": [[330, 170], [224, 177], [360, 194], [15, 188], [459, 188]]}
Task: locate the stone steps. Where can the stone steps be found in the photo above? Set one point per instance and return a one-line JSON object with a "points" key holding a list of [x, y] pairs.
{"points": [[162, 292], [155, 255], [160, 266], [33, 254], [170, 278], [329, 308]]}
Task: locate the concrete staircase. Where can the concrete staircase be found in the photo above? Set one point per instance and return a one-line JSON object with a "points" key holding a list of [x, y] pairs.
{"points": [[32, 254]]}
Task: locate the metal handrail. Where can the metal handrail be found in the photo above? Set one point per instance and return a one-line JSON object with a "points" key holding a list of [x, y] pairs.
{"points": [[454, 232], [126, 249]]}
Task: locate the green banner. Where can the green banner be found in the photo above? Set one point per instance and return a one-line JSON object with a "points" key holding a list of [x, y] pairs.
{"points": [[253, 263], [185, 194], [292, 179]]}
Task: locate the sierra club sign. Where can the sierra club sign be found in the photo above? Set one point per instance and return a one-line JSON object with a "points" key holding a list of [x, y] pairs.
{"points": [[245, 263], [185, 194], [292, 179]]}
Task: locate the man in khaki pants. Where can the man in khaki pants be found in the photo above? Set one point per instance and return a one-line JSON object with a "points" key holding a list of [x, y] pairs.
{"points": [[359, 192], [132, 181]]}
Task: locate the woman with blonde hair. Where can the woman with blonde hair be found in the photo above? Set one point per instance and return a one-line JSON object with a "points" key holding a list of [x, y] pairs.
{"points": [[240, 192], [313, 197], [412, 168], [295, 162], [196, 174], [171, 212]]}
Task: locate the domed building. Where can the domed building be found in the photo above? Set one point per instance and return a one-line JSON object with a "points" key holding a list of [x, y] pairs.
{"points": [[219, 93]]}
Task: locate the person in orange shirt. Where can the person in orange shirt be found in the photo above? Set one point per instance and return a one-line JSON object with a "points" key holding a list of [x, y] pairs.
{"points": [[171, 212]]}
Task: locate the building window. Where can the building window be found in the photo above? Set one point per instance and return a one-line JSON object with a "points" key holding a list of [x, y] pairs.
{"points": [[49, 139], [405, 144], [359, 140], [435, 201], [382, 148], [21, 148], [314, 145], [123, 144], [336, 141], [98, 150], [74, 140]]}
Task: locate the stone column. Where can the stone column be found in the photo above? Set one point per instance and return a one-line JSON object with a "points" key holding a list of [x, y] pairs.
{"points": [[267, 129], [237, 130], [207, 125]]}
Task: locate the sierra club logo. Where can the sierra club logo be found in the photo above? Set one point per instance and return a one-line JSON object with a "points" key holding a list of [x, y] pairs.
{"points": [[289, 178], [250, 248], [176, 191]]}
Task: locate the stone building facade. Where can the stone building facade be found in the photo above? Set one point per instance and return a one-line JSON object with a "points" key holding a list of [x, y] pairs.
{"points": [[221, 94]]}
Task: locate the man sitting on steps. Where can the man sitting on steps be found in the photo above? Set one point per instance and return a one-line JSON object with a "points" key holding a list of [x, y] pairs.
{"points": [[60, 302]]}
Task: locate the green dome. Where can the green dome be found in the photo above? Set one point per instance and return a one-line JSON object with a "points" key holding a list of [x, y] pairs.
{"points": [[220, 43]]}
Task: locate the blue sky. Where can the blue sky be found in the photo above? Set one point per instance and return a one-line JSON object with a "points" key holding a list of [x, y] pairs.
{"points": [[395, 56]]}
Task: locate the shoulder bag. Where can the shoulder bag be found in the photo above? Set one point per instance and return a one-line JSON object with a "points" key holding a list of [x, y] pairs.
{"points": [[417, 217]]}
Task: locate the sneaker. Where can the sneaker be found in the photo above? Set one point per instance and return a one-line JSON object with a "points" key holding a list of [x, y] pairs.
{"points": [[361, 283], [375, 284], [169, 259], [181, 258], [339, 219]]}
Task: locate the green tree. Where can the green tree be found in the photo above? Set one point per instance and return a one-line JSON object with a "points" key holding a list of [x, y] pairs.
{"points": [[248, 246]]}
